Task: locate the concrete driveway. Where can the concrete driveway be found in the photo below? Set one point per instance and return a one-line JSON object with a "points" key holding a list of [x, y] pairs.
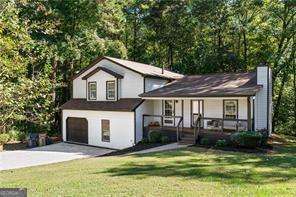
{"points": [[47, 154]]}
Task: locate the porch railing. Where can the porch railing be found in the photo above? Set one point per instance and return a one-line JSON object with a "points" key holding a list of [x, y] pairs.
{"points": [[178, 130], [222, 123]]}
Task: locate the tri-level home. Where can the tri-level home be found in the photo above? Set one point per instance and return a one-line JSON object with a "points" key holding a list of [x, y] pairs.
{"points": [[116, 101]]}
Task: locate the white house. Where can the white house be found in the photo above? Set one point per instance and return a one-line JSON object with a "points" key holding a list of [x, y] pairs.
{"points": [[114, 100]]}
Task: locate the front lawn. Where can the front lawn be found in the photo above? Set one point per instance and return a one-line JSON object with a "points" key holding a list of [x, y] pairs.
{"points": [[184, 172]]}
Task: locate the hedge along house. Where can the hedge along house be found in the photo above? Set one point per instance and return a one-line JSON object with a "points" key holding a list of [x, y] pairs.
{"points": [[115, 103]]}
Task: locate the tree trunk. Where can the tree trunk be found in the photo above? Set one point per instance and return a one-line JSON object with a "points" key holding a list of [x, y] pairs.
{"points": [[245, 49], [170, 57], [220, 50], [54, 85], [294, 87], [279, 98], [135, 39], [54, 79]]}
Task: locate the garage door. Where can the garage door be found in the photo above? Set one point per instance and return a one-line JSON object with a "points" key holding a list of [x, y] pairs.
{"points": [[77, 130]]}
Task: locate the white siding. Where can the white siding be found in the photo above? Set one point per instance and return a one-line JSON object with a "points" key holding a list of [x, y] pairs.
{"points": [[213, 108], [79, 86], [132, 83], [151, 83], [130, 86], [187, 113], [145, 108], [101, 77], [270, 101], [261, 99], [121, 127]]}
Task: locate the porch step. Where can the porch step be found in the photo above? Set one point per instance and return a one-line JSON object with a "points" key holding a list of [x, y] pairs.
{"points": [[187, 140], [187, 135]]}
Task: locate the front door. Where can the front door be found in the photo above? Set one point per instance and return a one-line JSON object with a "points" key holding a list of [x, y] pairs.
{"points": [[197, 109], [168, 110]]}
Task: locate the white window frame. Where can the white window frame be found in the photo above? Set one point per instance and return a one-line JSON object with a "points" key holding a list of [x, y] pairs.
{"points": [[91, 83], [105, 130], [230, 113], [108, 91]]}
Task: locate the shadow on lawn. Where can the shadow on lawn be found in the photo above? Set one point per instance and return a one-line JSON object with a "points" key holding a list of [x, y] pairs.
{"points": [[199, 163]]}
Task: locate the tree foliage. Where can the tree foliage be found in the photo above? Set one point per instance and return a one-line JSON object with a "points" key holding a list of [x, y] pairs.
{"points": [[44, 43]]}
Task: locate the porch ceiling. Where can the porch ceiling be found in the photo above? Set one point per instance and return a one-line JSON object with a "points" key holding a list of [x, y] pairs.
{"points": [[214, 85]]}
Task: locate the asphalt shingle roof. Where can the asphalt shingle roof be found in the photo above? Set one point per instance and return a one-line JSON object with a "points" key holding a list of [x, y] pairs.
{"points": [[124, 104], [213, 85]]}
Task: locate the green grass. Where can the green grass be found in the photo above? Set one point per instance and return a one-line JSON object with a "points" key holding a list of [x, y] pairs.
{"points": [[184, 172]]}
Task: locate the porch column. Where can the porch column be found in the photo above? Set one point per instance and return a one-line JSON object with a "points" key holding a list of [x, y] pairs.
{"points": [[249, 114]]}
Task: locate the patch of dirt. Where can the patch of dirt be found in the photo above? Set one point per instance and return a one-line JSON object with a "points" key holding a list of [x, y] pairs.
{"points": [[276, 139]]}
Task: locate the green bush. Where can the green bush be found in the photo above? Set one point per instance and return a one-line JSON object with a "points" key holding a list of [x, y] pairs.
{"points": [[248, 139], [154, 137], [15, 135], [4, 138], [221, 143], [265, 136], [204, 141], [165, 139], [145, 141]]}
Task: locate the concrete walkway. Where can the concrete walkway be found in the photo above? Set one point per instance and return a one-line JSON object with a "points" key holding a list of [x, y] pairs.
{"points": [[47, 154], [172, 146]]}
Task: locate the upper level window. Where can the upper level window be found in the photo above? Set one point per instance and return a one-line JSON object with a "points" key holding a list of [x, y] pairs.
{"points": [[92, 91], [230, 109], [110, 90]]}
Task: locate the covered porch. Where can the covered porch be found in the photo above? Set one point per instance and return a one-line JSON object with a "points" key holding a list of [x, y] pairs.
{"points": [[184, 119], [220, 103]]}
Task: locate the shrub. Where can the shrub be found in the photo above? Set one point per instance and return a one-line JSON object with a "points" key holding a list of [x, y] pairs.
{"points": [[4, 138], [248, 139], [145, 141], [165, 139], [265, 136], [204, 141], [154, 137], [15, 135], [221, 143]]}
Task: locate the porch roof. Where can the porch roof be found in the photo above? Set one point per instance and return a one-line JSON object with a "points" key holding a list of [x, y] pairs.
{"points": [[213, 85]]}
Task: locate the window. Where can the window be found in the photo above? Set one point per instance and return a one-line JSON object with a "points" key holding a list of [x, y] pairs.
{"points": [[168, 108], [105, 125], [168, 111], [110, 90], [230, 109], [92, 91]]}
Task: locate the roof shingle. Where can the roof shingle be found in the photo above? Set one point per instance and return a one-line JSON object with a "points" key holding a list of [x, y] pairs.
{"points": [[124, 104], [214, 85], [143, 69], [103, 69]]}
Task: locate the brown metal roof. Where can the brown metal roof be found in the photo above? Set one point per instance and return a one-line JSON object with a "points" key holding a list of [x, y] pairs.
{"points": [[143, 69], [124, 104], [103, 69], [213, 85]]}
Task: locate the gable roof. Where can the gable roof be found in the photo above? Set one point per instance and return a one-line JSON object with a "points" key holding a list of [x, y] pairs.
{"points": [[124, 104], [143, 69], [103, 69], [213, 85]]}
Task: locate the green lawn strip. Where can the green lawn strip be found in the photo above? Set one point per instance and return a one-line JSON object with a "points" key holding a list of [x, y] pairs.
{"points": [[181, 173]]}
